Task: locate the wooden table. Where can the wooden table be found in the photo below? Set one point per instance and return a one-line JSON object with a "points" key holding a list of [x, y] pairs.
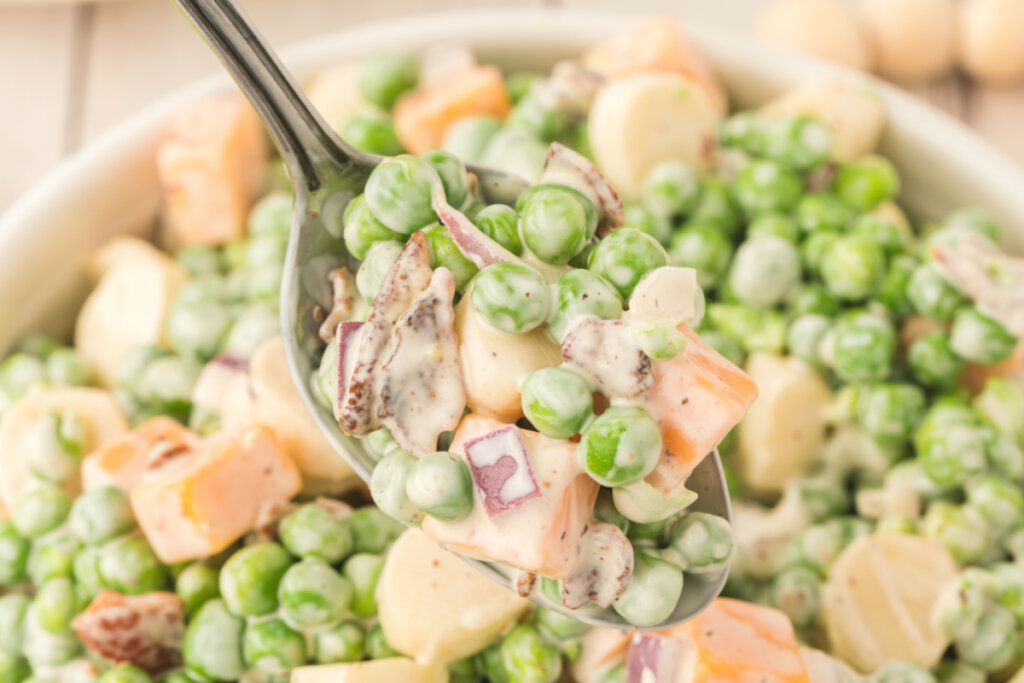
{"points": [[69, 72]]}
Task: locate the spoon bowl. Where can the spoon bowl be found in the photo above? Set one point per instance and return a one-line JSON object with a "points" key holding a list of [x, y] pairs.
{"points": [[327, 173]]}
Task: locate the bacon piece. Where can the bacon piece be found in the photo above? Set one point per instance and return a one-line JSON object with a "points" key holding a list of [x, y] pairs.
{"points": [[421, 390], [994, 279], [501, 470], [606, 353], [348, 334], [407, 279], [146, 631], [654, 657], [604, 568], [566, 167], [346, 295]]}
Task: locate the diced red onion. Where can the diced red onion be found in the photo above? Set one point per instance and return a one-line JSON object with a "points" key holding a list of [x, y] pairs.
{"points": [[501, 470], [657, 658], [471, 241], [348, 342]]}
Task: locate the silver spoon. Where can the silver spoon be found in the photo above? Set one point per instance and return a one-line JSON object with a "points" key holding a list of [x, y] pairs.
{"points": [[326, 174]]}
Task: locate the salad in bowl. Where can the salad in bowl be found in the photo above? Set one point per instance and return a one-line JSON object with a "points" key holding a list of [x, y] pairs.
{"points": [[538, 382]]}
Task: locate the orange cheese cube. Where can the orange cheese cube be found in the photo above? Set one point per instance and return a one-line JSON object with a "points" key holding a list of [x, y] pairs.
{"points": [[541, 533], [655, 44], [211, 166], [697, 397], [122, 461], [423, 116], [195, 503]]}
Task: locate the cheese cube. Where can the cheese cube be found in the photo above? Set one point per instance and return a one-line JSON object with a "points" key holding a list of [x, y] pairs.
{"points": [[392, 669], [121, 462]]}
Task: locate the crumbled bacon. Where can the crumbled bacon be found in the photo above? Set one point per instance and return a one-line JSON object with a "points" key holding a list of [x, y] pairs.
{"points": [[343, 285], [605, 568], [606, 353], [571, 168], [144, 630], [991, 277]]}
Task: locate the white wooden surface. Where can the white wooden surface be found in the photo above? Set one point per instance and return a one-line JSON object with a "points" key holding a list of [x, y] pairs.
{"points": [[70, 71]]}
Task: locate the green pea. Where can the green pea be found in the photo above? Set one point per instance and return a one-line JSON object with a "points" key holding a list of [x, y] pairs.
{"points": [[40, 511], [774, 225], [814, 249], [933, 362], [468, 137], [853, 267], [559, 626], [13, 611], [754, 330], [961, 529], [557, 401], [953, 453], [388, 487], [527, 658], [863, 347], [375, 267], [578, 294], [646, 221], [197, 585], [620, 446], [978, 221], [512, 297], [341, 643], [764, 271], [797, 592], [703, 541], [399, 193], [251, 328], [799, 142], [1001, 405], [717, 207], [372, 530], [14, 551], [265, 250], [490, 664], [999, 501], [56, 604], [377, 646], [453, 175], [501, 224], [743, 130], [213, 643], [362, 230], [892, 291], [86, 572], [822, 211], [14, 669], [250, 578], [672, 189], [659, 340], [994, 643], [539, 119], [313, 531], [554, 223], [167, 382], [815, 548], [652, 593], [100, 515], [891, 412], [273, 647], [517, 151], [811, 298], [271, 216], [372, 133], [766, 186], [867, 182], [883, 231], [129, 565], [822, 495], [52, 556], [1008, 587], [646, 531], [1004, 455], [441, 486], [387, 76], [624, 256], [931, 295], [446, 253], [198, 329], [703, 247], [66, 367], [803, 339], [958, 672], [903, 672], [363, 572], [124, 673], [979, 338], [21, 373]]}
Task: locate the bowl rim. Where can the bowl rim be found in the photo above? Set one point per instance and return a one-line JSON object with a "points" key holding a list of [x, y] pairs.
{"points": [[36, 214]]}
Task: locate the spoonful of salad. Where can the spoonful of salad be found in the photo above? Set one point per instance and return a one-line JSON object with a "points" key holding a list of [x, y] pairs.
{"points": [[507, 366]]}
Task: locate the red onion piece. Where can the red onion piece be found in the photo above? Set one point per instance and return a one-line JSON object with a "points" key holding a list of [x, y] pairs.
{"points": [[501, 470], [348, 341], [658, 658], [471, 241]]}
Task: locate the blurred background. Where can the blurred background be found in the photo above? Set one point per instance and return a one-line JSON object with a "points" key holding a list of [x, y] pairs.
{"points": [[70, 71]]}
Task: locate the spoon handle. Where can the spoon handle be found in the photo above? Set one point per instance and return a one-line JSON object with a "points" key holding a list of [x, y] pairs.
{"points": [[308, 145]]}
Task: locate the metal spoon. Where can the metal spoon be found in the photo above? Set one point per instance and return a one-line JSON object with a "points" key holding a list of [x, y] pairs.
{"points": [[326, 174]]}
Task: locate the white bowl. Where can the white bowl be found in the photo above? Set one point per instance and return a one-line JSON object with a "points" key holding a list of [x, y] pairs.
{"points": [[110, 187]]}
